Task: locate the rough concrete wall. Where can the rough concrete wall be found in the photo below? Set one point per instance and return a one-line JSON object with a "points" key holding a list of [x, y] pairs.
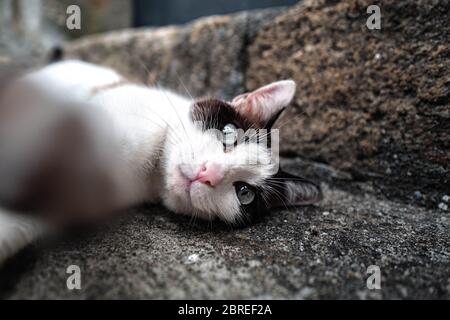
{"points": [[96, 15], [372, 103], [205, 56]]}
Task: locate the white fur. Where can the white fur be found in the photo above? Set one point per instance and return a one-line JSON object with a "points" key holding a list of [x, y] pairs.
{"points": [[152, 134], [16, 231]]}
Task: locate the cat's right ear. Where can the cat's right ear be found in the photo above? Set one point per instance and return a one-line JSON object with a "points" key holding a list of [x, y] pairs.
{"points": [[265, 103]]}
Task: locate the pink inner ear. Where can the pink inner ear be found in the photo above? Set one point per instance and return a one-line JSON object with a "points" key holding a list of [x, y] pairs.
{"points": [[239, 99], [260, 105], [252, 105], [267, 90], [250, 109]]}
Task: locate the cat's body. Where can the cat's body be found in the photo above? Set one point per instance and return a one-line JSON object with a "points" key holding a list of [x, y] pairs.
{"points": [[146, 144], [138, 116]]}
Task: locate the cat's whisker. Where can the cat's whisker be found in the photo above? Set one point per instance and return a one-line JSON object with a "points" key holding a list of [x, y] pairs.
{"points": [[182, 83], [159, 89], [177, 114], [168, 124], [278, 194]]}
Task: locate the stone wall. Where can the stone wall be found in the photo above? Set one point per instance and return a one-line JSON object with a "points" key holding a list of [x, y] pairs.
{"points": [[96, 15], [372, 103], [207, 57]]}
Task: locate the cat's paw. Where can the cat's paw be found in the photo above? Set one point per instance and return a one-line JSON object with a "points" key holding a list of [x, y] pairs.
{"points": [[50, 159]]}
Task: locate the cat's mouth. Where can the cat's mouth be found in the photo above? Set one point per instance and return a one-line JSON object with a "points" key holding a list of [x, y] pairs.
{"points": [[188, 186], [185, 183]]}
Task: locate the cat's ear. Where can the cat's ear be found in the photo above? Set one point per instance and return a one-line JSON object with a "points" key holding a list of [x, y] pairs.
{"points": [[291, 190], [266, 103]]}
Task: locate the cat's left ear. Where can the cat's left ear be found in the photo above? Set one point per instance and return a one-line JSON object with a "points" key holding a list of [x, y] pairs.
{"points": [[265, 104], [291, 190]]}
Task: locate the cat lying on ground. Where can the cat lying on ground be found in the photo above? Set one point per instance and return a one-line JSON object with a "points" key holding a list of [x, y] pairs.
{"points": [[79, 141]]}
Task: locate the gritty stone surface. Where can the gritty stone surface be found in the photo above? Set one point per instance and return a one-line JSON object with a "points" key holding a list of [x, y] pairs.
{"points": [[374, 103], [97, 16], [295, 254], [203, 58]]}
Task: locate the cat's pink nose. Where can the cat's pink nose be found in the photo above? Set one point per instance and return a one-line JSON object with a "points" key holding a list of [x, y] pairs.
{"points": [[211, 174]]}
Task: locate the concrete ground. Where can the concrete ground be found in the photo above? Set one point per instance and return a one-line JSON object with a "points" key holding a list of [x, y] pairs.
{"points": [[310, 252]]}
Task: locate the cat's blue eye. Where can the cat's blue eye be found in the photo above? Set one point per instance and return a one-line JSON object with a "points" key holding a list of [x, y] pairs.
{"points": [[245, 194], [230, 134]]}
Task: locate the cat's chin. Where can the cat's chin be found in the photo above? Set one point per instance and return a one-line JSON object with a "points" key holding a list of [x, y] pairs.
{"points": [[184, 206]]}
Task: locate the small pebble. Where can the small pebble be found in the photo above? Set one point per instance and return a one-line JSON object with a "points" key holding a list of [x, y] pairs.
{"points": [[193, 258], [417, 195], [443, 206], [445, 198], [325, 213]]}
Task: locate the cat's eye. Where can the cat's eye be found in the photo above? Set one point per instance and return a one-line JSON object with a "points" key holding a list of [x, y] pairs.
{"points": [[230, 134], [245, 194]]}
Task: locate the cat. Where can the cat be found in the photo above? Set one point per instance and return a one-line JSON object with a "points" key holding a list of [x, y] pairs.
{"points": [[100, 143]]}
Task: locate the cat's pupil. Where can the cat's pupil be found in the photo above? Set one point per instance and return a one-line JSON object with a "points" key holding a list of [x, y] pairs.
{"points": [[229, 134], [245, 195]]}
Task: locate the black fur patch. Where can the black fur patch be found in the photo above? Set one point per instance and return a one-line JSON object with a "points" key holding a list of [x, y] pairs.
{"points": [[215, 114]]}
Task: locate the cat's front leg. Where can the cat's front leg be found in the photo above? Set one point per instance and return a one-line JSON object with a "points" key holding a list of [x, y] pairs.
{"points": [[17, 231], [58, 158]]}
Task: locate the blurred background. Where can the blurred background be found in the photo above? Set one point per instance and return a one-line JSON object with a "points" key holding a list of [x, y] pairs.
{"points": [[30, 25]]}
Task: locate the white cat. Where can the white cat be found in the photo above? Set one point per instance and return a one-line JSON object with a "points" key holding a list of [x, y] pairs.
{"points": [[114, 144]]}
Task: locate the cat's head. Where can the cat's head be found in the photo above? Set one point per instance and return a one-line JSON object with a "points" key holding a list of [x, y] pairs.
{"points": [[225, 160]]}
